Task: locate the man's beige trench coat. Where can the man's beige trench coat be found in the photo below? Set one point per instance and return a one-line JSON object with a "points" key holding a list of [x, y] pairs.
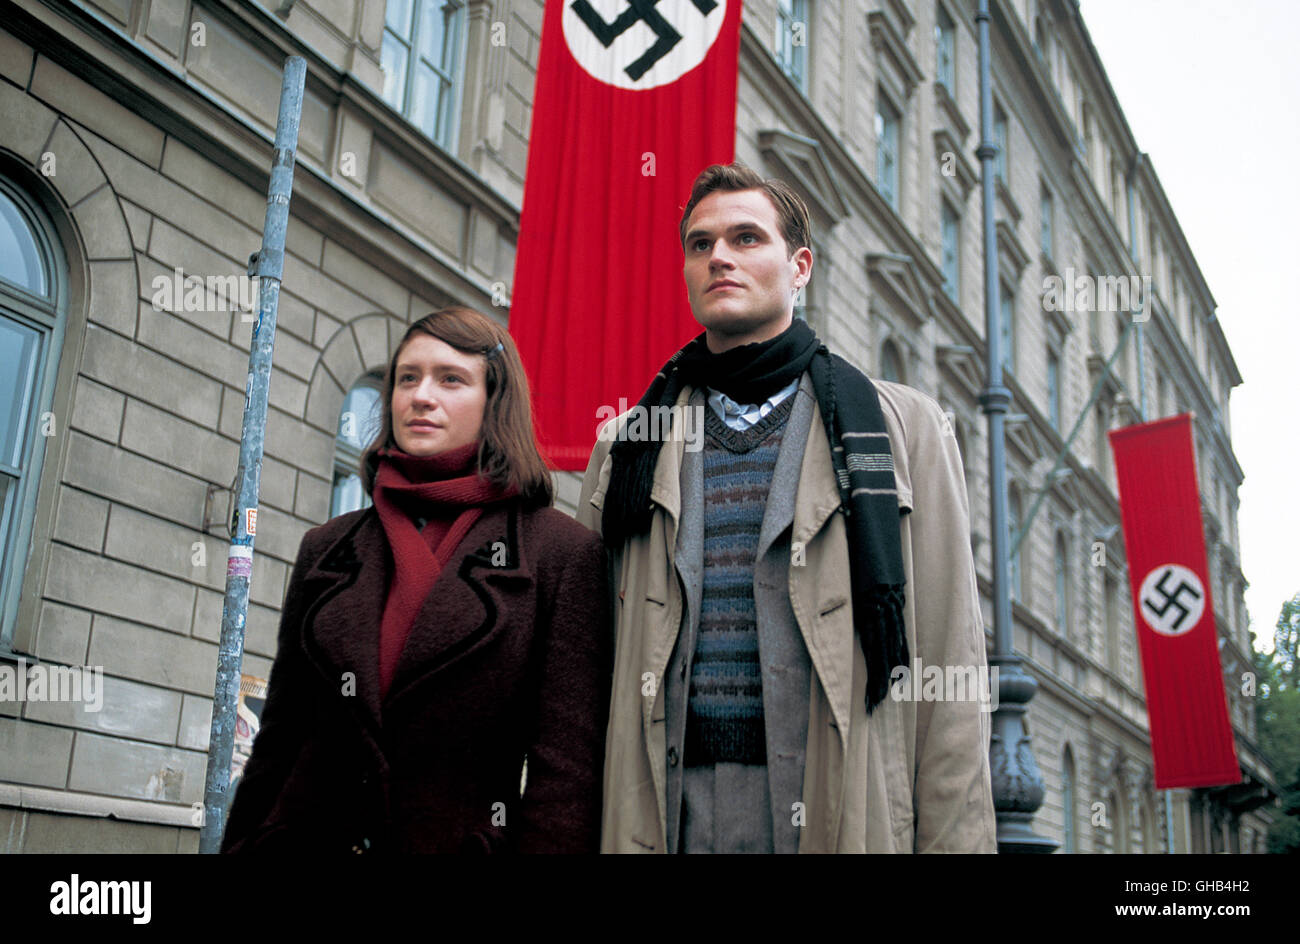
{"points": [[912, 777]]}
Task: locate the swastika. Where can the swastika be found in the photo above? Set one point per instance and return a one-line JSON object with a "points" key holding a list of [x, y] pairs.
{"points": [[1175, 601], [642, 11]]}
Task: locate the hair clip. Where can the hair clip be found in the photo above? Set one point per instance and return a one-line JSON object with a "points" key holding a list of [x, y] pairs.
{"points": [[493, 352]]}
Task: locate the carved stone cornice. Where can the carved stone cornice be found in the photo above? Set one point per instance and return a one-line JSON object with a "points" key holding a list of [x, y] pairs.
{"points": [[887, 41], [801, 162]]}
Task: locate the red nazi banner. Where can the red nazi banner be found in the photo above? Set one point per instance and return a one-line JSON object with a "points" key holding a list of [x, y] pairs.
{"points": [[1164, 539], [633, 99]]}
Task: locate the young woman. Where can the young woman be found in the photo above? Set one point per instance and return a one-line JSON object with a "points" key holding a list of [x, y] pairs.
{"points": [[442, 677]]}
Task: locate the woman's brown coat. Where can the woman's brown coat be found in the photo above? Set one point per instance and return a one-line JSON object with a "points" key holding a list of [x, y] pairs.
{"points": [[508, 657]]}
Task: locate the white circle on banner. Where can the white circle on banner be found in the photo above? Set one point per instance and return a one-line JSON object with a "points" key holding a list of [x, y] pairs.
{"points": [[1171, 599], [641, 45]]}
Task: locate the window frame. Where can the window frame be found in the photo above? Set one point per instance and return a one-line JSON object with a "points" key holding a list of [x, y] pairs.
{"points": [[1046, 221], [796, 65], [1001, 139], [1015, 516], [952, 280], [47, 317], [945, 40], [1007, 324], [347, 458], [900, 361], [1069, 832], [1054, 398], [1061, 581], [893, 195], [450, 141]]}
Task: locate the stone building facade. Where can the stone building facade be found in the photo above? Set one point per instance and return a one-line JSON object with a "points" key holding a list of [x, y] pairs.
{"points": [[134, 142]]}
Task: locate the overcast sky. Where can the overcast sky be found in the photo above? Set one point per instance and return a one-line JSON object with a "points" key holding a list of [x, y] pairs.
{"points": [[1210, 90]]}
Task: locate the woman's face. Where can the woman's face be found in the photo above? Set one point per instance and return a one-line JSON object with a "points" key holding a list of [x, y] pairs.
{"points": [[438, 397]]}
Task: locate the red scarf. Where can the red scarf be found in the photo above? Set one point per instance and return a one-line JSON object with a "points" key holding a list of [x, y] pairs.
{"points": [[447, 490]]}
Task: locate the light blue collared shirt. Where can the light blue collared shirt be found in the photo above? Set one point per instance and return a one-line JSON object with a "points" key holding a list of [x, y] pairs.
{"points": [[741, 416]]}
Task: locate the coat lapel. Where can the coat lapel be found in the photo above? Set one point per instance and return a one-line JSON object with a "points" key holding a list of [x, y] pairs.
{"points": [[341, 630], [340, 633], [469, 601]]}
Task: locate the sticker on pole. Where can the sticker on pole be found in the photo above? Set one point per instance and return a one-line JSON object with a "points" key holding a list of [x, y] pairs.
{"points": [[641, 44], [250, 521], [1172, 599], [240, 561]]}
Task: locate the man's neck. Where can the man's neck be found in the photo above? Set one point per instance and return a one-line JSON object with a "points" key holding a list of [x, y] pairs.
{"points": [[718, 342]]}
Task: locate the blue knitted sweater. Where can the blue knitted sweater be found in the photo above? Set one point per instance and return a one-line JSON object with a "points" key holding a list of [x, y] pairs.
{"points": [[725, 710]]}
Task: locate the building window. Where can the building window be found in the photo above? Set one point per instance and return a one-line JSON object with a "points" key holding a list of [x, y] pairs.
{"points": [[1120, 808], [31, 301], [421, 59], [1117, 195], [792, 39], [1121, 361], [1042, 42], [1061, 573], [945, 51], [1013, 528], [891, 363], [1067, 802], [359, 423], [1110, 588], [1000, 139], [1103, 424], [1007, 309], [1054, 390], [950, 236], [1046, 224], [887, 121]]}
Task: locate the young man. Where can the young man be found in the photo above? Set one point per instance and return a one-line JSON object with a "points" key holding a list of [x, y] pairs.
{"points": [[773, 584]]}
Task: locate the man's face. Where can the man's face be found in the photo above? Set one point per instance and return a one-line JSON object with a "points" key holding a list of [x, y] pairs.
{"points": [[740, 280]]}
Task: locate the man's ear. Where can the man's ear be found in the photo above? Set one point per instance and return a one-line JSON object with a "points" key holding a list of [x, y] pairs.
{"points": [[803, 259]]}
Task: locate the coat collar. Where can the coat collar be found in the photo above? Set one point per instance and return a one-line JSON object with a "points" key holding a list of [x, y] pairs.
{"points": [[818, 494], [340, 631]]}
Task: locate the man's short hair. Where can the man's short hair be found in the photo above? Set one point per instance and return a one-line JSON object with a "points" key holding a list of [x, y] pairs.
{"points": [[791, 211]]}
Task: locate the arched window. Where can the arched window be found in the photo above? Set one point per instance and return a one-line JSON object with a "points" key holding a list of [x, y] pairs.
{"points": [[359, 423], [32, 299], [1061, 573], [891, 363], [1110, 593], [1067, 801], [1119, 823], [1147, 820]]}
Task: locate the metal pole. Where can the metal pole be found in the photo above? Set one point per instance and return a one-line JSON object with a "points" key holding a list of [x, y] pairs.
{"points": [[1017, 784], [268, 265]]}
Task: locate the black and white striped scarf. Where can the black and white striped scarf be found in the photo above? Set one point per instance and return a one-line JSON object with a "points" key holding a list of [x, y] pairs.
{"points": [[860, 455]]}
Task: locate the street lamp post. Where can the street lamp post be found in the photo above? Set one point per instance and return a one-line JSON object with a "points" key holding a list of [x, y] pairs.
{"points": [[1017, 783]]}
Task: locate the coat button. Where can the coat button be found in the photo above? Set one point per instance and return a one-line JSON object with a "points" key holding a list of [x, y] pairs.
{"points": [[682, 673], [672, 757]]}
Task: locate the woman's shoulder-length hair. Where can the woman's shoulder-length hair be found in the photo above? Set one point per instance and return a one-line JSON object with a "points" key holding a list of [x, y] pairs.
{"points": [[508, 452]]}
